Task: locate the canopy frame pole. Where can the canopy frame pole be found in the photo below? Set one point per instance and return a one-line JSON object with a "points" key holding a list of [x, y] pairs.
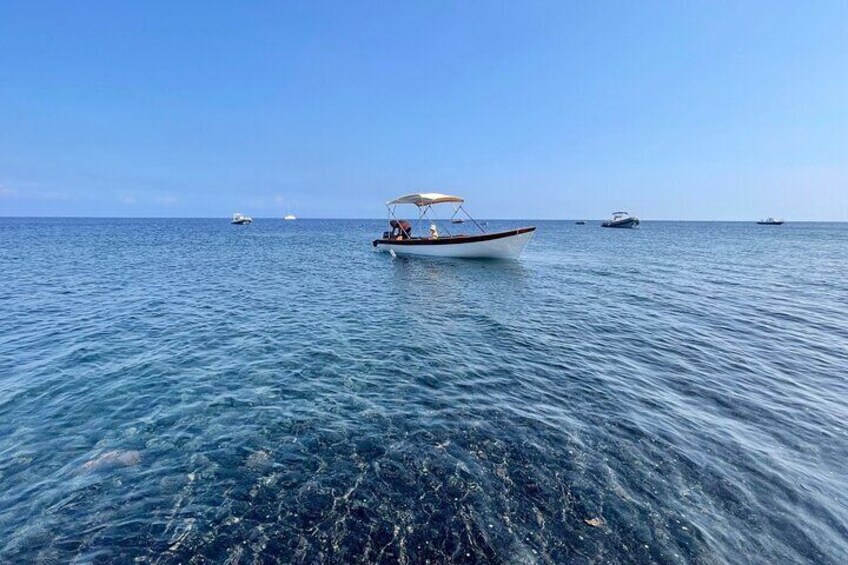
{"points": [[458, 208], [392, 216], [434, 218], [421, 213], [427, 212]]}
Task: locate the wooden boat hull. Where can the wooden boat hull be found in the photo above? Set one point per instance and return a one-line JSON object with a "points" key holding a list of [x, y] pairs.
{"points": [[499, 245]]}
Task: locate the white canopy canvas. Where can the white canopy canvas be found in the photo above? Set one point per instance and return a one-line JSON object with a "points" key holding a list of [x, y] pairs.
{"points": [[421, 199]]}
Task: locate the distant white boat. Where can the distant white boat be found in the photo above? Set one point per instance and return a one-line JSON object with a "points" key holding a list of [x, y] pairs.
{"points": [[771, 222], [621, 220], [289, 217], [241, 219]]}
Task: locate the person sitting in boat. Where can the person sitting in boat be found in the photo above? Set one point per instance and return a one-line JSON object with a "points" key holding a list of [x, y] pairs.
{"points": [[434, 233], [401, 229]]}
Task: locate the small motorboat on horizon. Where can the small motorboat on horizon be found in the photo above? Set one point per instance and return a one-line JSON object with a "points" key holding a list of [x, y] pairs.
{"points": [[289, 217], [770, 222], [241, 220], [400, 240], [621, 220]]}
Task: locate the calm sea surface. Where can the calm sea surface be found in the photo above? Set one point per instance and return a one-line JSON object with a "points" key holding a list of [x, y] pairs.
{"points": [[184, 391]]}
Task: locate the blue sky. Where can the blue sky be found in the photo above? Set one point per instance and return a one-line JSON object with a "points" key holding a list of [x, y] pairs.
{"points": [[672, 110]]}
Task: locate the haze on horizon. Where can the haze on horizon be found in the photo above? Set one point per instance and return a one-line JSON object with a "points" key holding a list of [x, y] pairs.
{"points": [[548, 110]]}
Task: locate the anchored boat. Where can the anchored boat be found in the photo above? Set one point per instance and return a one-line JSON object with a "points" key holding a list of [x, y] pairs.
{"points": [[621, 220], [241, 219], [401, 239]]}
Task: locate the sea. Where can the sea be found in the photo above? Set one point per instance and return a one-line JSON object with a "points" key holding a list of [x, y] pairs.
{"points": [[189, 391]]}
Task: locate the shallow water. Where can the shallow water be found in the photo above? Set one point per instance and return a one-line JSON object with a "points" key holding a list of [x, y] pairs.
{"points": [[186, 390]]}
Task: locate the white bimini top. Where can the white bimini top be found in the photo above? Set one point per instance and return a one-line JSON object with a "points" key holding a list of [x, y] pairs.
{"points": [[421, 199]]}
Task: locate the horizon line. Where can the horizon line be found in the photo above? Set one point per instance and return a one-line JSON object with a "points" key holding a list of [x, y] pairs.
{"points": [[276, 218]]}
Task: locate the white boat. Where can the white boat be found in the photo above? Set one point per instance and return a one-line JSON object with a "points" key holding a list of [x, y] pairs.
{"points": [[771, 222], [241, 219], [401, 241], [289, 217], [621, 220]]}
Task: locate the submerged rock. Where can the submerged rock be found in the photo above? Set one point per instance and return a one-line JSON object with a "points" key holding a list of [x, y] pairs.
{"points": [[113, 459], [258, 460], [594, 522]]}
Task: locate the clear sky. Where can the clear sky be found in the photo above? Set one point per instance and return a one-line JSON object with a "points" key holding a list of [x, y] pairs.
{"points": [[671, 110]]}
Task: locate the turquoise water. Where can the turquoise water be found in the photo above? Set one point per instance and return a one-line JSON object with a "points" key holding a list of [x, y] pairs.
{"points": [[188, 391]]}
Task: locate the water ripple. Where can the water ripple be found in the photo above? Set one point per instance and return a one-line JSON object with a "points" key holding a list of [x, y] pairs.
{"points": [[185, 391]]}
